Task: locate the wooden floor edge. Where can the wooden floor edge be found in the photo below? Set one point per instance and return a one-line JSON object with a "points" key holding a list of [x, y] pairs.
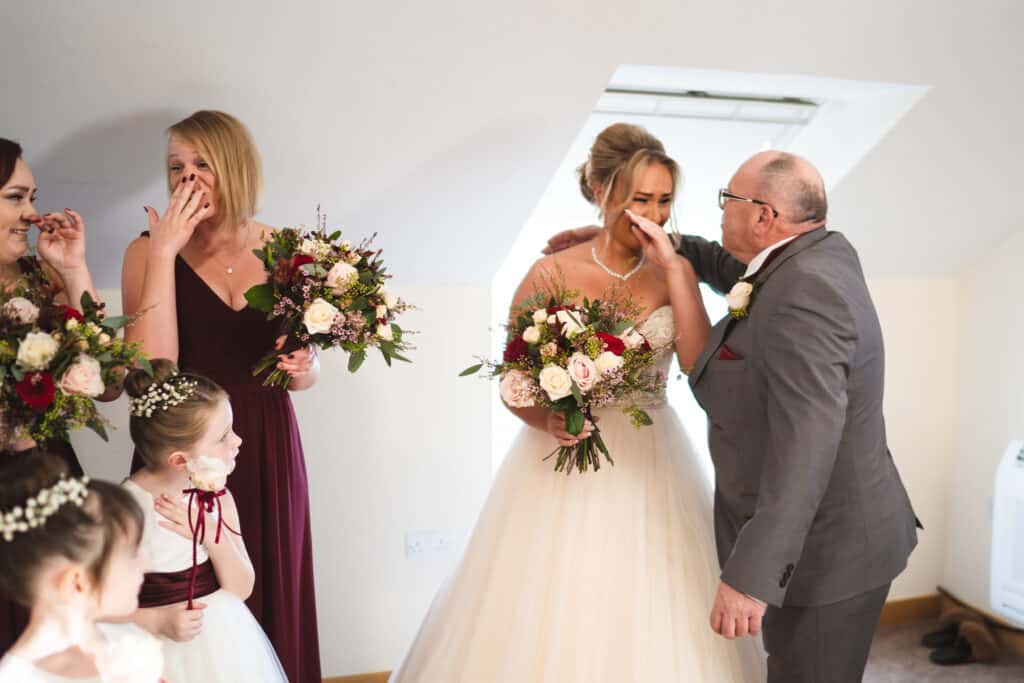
{"points": [[379, 677], [906, 610], [895, 612]]}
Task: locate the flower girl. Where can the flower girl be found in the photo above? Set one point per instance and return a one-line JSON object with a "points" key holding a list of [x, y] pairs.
{"points": [[69, 551], [199, 569]]}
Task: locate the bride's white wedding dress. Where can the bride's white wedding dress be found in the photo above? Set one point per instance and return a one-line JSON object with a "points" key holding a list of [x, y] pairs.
{"points": [[604, 577]]}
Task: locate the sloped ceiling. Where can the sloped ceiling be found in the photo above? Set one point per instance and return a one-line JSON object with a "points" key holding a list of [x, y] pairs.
{"points": [[439, 125]]}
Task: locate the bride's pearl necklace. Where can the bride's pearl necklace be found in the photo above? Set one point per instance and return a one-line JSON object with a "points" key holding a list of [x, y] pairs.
{"points": [[643, 260]]}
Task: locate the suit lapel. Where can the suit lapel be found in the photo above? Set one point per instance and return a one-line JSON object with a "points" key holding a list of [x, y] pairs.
{"points": [[715, 340], [720, 330]]}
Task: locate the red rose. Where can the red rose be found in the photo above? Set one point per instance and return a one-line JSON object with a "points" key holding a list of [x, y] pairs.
{"points": [[555, 309], [515, 350], [71, 314], [612, 343], [300, 260], [36, 390]]}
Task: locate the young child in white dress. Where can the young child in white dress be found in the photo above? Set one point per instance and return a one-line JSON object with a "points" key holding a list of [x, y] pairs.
{"points": [[179, 421], [69, 552]]}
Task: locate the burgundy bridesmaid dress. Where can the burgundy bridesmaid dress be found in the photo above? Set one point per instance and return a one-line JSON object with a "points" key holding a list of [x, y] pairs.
{"points": [[269, 482]]}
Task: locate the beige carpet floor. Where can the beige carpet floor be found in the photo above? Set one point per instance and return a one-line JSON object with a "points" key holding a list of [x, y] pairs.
{"points": [[897, 657]]}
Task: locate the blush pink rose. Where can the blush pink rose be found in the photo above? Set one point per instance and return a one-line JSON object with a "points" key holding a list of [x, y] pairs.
{"points": [[83, 377], [517, 389], [583, 371]]}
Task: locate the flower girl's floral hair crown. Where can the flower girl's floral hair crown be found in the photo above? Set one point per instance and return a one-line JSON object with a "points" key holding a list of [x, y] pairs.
{"points": [[47, 513], [170, 410], [171, 392], [43, 505]]}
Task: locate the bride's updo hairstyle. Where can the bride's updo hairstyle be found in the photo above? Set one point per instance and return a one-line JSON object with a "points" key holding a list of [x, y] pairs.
{"points": [[618, 154]]}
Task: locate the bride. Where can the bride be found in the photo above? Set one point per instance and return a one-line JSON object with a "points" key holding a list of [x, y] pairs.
{"points": [[609, 576]]}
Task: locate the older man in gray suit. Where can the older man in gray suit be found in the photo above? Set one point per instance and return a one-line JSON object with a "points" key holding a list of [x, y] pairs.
{"points": [[812, 522]]}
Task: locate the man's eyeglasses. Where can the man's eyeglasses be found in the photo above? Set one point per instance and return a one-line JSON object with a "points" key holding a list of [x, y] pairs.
{"points": [[724, 195]]}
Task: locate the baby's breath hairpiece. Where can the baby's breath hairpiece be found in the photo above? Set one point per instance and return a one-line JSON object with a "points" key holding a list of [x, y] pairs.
{"points": [[163, 395], [42, 506]]}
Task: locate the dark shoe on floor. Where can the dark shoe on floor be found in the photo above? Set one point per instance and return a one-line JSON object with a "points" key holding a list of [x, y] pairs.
{"points": [[944, 637], [958, 653]]}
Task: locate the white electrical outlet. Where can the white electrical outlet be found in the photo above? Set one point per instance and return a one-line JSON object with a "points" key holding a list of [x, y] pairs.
{"points": [[428, 544]]}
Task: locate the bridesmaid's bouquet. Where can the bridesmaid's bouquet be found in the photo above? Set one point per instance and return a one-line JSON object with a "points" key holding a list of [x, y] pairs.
{"points": [[573, 359], [325, 292], [55, 361]]}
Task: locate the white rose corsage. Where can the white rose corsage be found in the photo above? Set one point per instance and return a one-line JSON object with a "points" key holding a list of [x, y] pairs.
{"points": [[738, 299]]}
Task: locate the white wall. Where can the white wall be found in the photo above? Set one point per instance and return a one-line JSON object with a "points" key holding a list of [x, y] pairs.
{"points": [[990, 366], [391, 451], [920, 324]]}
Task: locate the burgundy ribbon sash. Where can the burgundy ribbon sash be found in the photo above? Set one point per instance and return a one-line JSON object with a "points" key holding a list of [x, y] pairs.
{"points": [[207, 500], [168, 588]]}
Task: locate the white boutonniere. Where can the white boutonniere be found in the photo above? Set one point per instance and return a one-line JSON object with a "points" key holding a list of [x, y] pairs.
{"points": [[738, 299]]}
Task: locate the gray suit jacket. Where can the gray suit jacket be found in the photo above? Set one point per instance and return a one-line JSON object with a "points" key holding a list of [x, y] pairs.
{"points": [[809, 507]]}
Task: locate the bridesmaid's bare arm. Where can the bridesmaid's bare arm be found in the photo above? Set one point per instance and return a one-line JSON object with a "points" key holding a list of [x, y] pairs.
{"points": [[147, 285]]}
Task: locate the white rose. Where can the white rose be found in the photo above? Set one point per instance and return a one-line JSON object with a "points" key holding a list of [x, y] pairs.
{"points": [[319, 317], [570, 325], [385, 332], [104, 338], [382, 312], [208, 474], [84, 377], [583, 371], [552, 320], [354, 257], [92, 329], [540, 316], [556, 382], [607, 361], [341, 276], [71, 325], [738, 297], [632, 339], [531, 335], [517, 389], [21, 311], [390, 300], [315, 248], [36, 350]]}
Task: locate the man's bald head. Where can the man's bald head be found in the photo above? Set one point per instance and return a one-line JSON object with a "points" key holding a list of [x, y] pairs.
{"points": [[778, 195], [791, 184]]}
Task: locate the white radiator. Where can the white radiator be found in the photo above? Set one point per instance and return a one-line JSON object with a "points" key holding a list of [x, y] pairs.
{"points": [[1008, 536]]}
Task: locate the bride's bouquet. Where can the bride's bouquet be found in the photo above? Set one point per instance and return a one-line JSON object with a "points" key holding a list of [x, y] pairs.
{"points": [[325, 292], [55, 361], [574, 358]]}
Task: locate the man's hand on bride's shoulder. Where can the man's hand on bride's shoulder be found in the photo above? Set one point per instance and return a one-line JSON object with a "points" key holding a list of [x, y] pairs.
{"points": [[570, 238]]}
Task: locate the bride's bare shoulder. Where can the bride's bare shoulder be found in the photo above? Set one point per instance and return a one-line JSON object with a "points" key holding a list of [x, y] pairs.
{"points": [[557, 266]]}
